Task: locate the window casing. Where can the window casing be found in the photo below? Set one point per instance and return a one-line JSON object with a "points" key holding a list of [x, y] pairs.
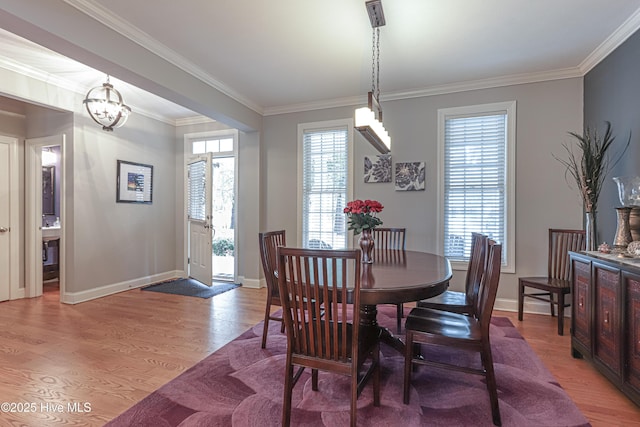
{"points": [[324, 183], [477, 184]]}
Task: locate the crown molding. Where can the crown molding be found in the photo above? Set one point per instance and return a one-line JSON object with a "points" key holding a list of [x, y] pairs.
{"points": [[619, 36], [126, 29], [196, 120], [433, 90], [65, 84]]}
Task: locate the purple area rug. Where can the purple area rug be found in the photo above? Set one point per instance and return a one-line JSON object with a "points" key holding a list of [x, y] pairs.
{"points": [[242, 385]]}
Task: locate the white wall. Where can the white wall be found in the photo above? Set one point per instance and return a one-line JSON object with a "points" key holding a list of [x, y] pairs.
{"points": [[545, 112]]}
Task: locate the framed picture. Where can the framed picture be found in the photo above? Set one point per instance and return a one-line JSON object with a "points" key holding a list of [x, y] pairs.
{"points": [[134, 183], [410, 176], [379, 169]]}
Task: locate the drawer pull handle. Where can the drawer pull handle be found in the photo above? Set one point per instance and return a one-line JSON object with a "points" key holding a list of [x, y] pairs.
{"points": [[606, 317], [581, 304]]}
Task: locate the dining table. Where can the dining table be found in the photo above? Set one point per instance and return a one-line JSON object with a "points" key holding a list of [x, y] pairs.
{"points": [[398, 276]]}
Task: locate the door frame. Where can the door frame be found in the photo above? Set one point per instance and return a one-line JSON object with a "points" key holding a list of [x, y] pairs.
{"points": [[33, 214], [15, 229], [187, 153]]}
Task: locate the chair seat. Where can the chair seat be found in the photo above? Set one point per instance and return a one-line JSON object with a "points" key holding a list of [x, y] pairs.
{"points": [[547, 283], [448, 300], [444, 323]]}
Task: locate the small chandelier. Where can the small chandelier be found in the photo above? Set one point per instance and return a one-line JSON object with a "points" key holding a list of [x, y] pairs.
{"points": [[366, 121], [105, 106]]}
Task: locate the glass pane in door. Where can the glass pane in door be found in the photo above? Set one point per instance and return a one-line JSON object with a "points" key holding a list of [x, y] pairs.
{"points": [[223, 218]]}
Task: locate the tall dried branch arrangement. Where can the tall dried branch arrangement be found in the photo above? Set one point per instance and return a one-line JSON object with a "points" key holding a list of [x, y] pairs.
{"points": [[588, 162]]}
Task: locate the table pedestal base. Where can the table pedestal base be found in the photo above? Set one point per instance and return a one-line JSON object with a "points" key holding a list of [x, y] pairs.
{"points": [[371, 330]]}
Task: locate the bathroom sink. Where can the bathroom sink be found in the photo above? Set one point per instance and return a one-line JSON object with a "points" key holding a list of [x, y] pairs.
{"points": [[50, 233]]}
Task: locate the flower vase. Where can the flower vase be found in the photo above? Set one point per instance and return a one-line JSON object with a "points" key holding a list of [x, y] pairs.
{"points": [[590, 227], [366, 243]]}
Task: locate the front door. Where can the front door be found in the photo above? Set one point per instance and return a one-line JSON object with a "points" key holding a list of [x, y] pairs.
{"points": [[199, 218]]}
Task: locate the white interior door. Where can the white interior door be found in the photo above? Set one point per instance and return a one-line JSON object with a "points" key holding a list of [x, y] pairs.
{"points": [[199, 218]]}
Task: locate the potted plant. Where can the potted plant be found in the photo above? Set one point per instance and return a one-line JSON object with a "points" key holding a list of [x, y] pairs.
{"points": [[588, 162]]}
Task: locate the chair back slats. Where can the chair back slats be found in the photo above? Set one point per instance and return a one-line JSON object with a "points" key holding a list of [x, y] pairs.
{"points": [[269, 242], [560, 243], [315, 281], [389, 238], [489, 285], [477, 264]]}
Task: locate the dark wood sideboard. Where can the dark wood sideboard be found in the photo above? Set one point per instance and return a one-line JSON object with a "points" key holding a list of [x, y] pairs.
{"points": [[605, 317]]}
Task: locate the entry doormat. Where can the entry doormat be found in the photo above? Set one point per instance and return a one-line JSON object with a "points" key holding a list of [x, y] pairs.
{"points": [[241, 385], [191, 288]]}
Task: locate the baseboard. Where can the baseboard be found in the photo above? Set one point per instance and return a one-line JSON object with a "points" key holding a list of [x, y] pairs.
{"points": [[531, 307], [252, 283], [103, 291]]}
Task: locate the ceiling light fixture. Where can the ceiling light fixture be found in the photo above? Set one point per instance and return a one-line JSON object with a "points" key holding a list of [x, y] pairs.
{"points": [[105, 106], [366, 121]]}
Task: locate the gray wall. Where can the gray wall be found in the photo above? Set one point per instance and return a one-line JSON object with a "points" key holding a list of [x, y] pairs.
{"points": [[116, 242], [545, 112], [612, 93]]}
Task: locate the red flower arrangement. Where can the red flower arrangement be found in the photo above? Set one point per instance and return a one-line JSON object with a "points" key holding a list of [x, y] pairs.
{"points": [[362, 215]]}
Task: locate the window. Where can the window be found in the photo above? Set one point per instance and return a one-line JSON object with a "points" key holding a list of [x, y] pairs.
{"points": [[477, 146], [212, 145], [324, 183]]}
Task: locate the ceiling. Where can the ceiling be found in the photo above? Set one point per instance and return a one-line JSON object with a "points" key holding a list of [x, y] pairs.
{"points": [[292, 55]]}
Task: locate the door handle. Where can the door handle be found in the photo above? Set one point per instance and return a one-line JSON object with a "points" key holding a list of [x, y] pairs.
{"points": [[4, 229]]}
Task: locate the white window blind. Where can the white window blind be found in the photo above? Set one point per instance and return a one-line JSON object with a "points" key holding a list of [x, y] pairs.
{"points": [[475, 181], [196, 175], [324, 188]]}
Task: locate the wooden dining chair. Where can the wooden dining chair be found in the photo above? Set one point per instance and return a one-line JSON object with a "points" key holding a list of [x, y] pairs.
{"points": [[460, 331], [309, 281], [553, 287], [269, 242], [464, 302], [390, 239]]}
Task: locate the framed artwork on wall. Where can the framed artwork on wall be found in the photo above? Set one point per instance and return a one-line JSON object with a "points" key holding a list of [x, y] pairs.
{"points": [[378, 169], [134, 183], [410, 176]]}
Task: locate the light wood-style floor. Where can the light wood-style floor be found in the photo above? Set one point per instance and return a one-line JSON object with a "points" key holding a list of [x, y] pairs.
{"points": [[84, 364]]}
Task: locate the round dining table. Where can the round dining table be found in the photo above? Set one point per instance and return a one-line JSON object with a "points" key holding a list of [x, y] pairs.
{"points": [[398, 276]]}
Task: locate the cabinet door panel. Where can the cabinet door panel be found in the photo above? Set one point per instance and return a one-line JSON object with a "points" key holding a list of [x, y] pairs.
{"points": [[607, 318], [632, 375], [581, 302]]}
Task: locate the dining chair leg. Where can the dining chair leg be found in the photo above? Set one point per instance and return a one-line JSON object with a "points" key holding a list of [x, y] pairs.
{"points": [[560, 314], [408, 365], [288, 391], [399, 316], [314, 379], [354, 399], [551, 302], [265, 328], [520, 300], [492, 386]]}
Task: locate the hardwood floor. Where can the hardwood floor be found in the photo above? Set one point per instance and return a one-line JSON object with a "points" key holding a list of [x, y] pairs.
{"points": [[84, 364]]}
